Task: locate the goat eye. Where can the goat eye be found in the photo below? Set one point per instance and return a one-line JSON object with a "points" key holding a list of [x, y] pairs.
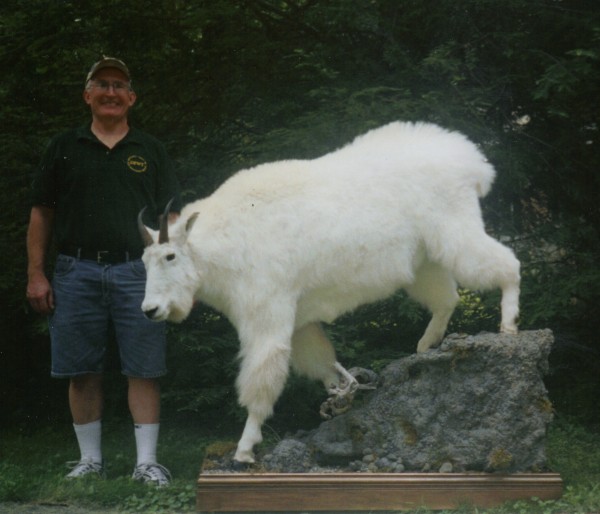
{"points": [[170, 257]]}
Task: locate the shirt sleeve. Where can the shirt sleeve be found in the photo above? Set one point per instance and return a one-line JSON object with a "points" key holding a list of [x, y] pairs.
{"points": [[167, 186], [43, 191]]}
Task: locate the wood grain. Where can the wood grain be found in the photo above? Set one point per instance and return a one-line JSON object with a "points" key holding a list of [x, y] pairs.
{"points": [[245, 492]]}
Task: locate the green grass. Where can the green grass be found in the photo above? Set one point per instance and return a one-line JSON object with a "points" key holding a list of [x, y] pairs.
{"points": [[32, 469], [33, 466]]}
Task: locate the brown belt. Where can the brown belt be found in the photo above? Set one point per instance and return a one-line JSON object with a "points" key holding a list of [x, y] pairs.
{"points": [[102, 256]]}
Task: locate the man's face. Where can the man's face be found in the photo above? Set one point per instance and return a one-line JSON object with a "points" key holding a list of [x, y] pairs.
{"points": [[108, 94]]}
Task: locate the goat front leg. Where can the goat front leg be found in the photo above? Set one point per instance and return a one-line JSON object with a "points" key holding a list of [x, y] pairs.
{"points": [[341, 393], [251, 435], [346, 385], [314, 356], [263, 373]]}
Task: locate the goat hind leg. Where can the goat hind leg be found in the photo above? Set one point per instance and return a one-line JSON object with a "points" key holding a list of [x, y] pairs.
{"points": [[486, 264], [510, 308], [434, 288]]}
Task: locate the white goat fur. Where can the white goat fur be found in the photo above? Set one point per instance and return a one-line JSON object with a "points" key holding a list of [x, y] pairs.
{"points": [[283, 246]]}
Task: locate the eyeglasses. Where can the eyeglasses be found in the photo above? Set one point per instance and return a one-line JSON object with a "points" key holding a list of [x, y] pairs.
{"points": [[105, 86]]}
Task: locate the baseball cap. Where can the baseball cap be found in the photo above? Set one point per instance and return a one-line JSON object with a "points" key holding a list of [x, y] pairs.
{"points": [[108, 62]]}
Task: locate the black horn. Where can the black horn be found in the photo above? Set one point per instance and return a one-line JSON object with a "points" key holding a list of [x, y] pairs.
{"points": [[163, 224], [146, 237]]}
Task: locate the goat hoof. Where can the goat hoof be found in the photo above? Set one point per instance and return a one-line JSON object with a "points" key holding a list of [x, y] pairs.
{"points": [[509, 329], [236, 465], [365, 378]]}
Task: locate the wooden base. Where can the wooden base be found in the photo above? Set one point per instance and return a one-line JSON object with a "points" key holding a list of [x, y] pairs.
{"points": [[263, 492]]}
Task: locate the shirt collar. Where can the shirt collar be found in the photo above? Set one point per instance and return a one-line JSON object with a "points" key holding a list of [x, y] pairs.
{"points": [[85, 132]]}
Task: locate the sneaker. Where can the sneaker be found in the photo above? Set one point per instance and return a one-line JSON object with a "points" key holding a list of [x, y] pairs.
{"points": [[152, 473], [84, 468]]}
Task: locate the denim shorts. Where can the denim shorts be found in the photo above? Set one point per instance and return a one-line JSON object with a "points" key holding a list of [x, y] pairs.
{"points": [[93, 301]]}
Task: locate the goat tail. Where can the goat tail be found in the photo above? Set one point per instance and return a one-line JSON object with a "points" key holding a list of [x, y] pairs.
{"points": [[484, 178]]}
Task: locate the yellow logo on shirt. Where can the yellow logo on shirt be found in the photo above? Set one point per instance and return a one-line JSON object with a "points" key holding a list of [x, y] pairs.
{"points": [[137, 164]]}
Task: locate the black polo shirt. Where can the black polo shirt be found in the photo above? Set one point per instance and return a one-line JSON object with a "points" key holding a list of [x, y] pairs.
{"points": [[97, 192]]}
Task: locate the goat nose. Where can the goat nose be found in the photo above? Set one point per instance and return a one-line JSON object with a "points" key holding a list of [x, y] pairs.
{"points": [[150, 313]]}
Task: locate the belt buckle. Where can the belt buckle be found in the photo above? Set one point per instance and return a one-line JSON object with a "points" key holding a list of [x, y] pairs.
{"points": [[100, 256]]}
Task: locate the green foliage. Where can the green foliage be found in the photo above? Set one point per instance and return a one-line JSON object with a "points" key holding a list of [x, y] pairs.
{"points": [[32, 467], [163, 500], [476, 312], [204, 348], [229, 84], [578, 462]]}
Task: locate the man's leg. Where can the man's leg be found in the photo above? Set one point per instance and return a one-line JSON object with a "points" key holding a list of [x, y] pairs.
{"points": [[86, 401], [142, 347], [78, 331], [86, 398], [144, 405], [144, 400]]}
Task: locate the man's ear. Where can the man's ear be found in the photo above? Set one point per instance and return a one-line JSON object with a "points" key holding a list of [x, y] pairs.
{"points": [[132, 98]]}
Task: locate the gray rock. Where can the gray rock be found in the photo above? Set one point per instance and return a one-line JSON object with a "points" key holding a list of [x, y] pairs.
{"points": [[446, 467], [476, 403], [291, 456], [383, 463]]}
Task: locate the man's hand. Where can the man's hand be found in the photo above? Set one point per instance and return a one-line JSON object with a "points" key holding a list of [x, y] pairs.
{"points": [[39, 293], [39, 290]]}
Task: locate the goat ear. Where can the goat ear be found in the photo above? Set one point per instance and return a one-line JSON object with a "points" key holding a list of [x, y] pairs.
{"points": [[190, 222]]}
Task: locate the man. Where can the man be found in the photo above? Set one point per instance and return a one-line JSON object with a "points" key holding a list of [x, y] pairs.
{"points": [[87, 192]]}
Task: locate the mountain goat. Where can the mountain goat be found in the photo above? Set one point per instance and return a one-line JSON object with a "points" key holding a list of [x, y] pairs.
{"points": [[283, 246]]}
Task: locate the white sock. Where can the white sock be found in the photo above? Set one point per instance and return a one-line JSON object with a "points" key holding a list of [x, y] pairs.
{"points": [[89, 437], [146, 439]]}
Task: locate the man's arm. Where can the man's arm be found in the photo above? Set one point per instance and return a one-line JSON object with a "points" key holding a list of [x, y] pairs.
{"points": [[39, 290]]}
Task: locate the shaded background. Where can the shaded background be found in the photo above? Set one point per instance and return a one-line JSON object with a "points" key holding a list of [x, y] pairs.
{"points": [[230, 84]]}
